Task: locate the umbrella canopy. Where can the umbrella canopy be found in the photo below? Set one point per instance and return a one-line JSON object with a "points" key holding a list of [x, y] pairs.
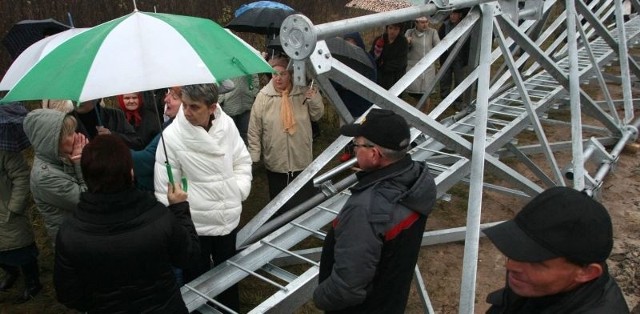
{"points": [[139, 51], [12, 137], [27, 59], [24, 33], [261, 17], [349, 54]]}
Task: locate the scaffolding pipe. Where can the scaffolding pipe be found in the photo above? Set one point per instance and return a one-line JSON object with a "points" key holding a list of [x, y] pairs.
{"points": [[288, 216]]}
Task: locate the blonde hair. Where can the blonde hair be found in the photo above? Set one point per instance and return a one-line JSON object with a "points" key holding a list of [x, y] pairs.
{"points": [[69, 125]]}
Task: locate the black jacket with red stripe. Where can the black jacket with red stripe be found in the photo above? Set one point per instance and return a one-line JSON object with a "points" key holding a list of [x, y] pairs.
{"points": [[369, 254]]}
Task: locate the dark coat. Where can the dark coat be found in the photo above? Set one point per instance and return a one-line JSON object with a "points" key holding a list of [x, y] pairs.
{"points": [[392, 63], [369, 255], [144, 162], [114, 120], [599, 296], [463, 55], [151, 122], [149, 125], [115, 254]]}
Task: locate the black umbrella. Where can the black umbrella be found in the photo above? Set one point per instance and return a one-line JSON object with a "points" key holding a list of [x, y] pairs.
{"points": [[12, 137], [261, 17], [345, 52], [24, 33]]}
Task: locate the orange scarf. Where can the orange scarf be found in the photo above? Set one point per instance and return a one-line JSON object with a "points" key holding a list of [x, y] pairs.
{"points": [[286, 114]]}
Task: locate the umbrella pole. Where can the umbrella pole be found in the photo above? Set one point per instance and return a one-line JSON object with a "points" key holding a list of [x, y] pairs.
{"points": [[164, 146], [97, 108]]}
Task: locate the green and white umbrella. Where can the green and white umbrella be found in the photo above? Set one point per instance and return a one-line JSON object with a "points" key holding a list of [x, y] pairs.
{"points": [[136, 52]]}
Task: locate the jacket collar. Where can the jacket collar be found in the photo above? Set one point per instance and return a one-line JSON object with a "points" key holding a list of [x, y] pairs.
{"points": [[368, 178]]}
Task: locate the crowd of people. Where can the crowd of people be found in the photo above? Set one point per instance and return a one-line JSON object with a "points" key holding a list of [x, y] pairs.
{"points": [[141, 199]]}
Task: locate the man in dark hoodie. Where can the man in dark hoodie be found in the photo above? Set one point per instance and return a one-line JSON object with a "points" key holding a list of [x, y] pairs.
{"points": [[370, 252]]}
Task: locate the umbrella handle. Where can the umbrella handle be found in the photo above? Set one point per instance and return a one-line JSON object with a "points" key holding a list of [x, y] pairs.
{"points": [[169, 172], [185, 187]]}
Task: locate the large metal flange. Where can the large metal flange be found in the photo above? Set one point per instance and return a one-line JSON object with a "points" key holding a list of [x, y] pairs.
{"points": [[298, 36]]}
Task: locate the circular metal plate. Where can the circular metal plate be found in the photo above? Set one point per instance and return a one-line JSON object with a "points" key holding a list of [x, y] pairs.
{"points": [[297, 36]]}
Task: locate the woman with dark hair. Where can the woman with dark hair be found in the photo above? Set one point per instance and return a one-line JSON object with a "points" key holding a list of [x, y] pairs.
{"points": [[115, 254], [144, 119], [390, 52]]}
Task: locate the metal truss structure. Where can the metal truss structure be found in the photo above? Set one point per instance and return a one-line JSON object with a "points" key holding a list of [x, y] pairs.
{"points": [[530, 60]]}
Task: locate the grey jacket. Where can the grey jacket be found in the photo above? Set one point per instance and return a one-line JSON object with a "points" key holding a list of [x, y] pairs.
{"points": [[55, 183], [241, 98], [15, 227], [369, 255]]}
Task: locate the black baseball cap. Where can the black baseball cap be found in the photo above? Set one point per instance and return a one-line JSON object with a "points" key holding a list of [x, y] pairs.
{"points": [[382, 127], [559, 222]]}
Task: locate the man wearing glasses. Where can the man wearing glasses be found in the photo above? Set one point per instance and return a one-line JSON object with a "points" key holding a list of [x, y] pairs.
{"points": [[370, 252]]}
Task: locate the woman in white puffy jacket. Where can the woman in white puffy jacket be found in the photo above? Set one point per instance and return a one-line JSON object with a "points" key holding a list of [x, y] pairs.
{"points": [[204, 145]]}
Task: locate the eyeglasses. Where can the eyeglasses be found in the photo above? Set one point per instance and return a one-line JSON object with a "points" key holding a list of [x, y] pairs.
{"points": [[356, 145]]}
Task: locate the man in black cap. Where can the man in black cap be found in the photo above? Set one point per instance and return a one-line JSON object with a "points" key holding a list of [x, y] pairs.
{"points": [[556, 249], [370, 252]]}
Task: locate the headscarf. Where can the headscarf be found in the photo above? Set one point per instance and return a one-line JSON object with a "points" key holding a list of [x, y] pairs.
{"points": [[135, 114]]}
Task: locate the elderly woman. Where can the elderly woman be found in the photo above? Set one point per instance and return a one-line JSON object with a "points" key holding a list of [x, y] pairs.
{"points": [[56, 179], [204, 145], [115, 254], [280, 127], [143, 118]]}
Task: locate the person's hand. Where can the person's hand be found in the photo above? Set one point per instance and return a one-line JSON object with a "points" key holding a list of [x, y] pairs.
{"points": [[409, 40], [310, 93], [175, 194], [102, 130], [79, 142]]}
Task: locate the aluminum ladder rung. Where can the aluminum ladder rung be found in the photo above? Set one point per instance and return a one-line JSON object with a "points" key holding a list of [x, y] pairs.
{"points": [[263, 278], [209, 299], [290, 253], [328, 209], [473, 126], [278, 272], [504, 113], [316, 232]]}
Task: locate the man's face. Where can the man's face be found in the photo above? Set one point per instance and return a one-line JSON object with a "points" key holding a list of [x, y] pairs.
{"points": [[197, 112], [421, 25], [365, 154], [549, 277]]}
